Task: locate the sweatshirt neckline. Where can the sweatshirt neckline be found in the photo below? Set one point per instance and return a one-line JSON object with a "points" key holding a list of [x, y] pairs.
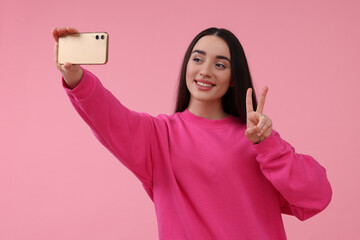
{"points": [[208, 123]]}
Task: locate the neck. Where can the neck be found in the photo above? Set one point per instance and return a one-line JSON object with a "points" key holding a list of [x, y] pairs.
{"points": [[208, 110]]}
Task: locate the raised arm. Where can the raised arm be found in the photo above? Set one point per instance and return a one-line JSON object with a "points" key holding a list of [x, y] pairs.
{"points": [[300, 179], [125, 133]]}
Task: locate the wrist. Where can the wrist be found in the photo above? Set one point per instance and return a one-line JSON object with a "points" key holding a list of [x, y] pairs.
{"points": [[73, 78]]}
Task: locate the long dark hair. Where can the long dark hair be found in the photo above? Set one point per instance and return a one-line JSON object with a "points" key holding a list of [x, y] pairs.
{"points": [[234, 100]]}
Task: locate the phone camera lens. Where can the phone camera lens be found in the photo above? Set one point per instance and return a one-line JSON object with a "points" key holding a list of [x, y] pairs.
{"points": [[102, 37], [97, 37]]}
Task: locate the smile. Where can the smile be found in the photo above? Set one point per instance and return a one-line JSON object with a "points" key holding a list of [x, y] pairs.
{"points": [[205, 84]]}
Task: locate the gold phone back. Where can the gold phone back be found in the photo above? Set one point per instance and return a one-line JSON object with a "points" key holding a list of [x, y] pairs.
{"points": [[84, 48]]}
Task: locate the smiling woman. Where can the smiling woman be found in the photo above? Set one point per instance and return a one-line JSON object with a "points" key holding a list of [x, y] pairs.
{"points": [[227, 47], [215, 169]]}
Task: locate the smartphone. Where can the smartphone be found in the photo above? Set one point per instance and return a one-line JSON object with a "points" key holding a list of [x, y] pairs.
{"points": [[84, 48]]}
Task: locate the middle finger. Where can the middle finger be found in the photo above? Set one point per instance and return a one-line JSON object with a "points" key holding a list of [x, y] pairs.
{"points": [[261, 104]]}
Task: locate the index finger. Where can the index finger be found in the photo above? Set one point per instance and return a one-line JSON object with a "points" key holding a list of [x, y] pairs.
{"points": [[249, 103], [261, 104]]}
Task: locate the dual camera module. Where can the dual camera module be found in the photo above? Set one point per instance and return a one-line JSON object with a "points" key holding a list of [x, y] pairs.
{"points": [[98, 37]]}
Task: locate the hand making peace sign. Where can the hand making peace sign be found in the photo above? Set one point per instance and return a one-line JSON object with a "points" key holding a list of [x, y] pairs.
{"points": [[259, 126]]}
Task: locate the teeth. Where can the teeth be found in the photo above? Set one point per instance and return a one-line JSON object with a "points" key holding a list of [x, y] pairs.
{"points": [[204, 84]]}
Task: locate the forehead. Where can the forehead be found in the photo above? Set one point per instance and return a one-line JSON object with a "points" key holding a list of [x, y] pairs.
{"points": [[213, 45]]}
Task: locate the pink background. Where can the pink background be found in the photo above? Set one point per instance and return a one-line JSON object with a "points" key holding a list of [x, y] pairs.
{"points": [[58, 182]]}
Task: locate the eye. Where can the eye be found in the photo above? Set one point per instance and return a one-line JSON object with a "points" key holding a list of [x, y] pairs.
{"points": [[220, 65], [196, 59]]}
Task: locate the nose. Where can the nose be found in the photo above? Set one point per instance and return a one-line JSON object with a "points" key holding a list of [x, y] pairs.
{"points": [[205, 71]]}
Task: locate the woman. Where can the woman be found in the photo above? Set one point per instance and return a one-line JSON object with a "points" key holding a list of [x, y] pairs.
{"points": [[215, 169]]}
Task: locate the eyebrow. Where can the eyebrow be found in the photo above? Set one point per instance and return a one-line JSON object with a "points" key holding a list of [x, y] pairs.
{"points": [[204, 53]]}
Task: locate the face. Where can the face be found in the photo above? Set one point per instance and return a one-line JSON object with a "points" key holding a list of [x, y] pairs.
{"points": [[208, 71]]}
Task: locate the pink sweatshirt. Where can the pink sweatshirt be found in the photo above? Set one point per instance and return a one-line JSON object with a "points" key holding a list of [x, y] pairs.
{"points": [[207, 181]]}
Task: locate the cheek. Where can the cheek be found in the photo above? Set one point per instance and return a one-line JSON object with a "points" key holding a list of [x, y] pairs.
{"points": [[228, 77], [187, 76], [189, 73], [225, 83], [224, 78]]}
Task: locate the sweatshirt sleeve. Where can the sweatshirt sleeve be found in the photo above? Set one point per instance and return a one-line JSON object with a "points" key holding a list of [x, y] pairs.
{"points": [[300, 179], [125, 133]]}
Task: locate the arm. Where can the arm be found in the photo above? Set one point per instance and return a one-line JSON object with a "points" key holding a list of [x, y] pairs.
{"points": [[301, 181], [127, 134]]}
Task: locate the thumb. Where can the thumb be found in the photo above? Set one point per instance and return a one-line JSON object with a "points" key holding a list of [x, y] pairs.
{"points": [[67, 66], [70, 68]]}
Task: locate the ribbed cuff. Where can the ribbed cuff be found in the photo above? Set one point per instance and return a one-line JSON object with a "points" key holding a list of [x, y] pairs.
{"points": [[269, 146]]}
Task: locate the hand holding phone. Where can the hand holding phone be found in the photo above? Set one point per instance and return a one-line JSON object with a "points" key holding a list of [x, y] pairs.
{"points": [[72, 73]]}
